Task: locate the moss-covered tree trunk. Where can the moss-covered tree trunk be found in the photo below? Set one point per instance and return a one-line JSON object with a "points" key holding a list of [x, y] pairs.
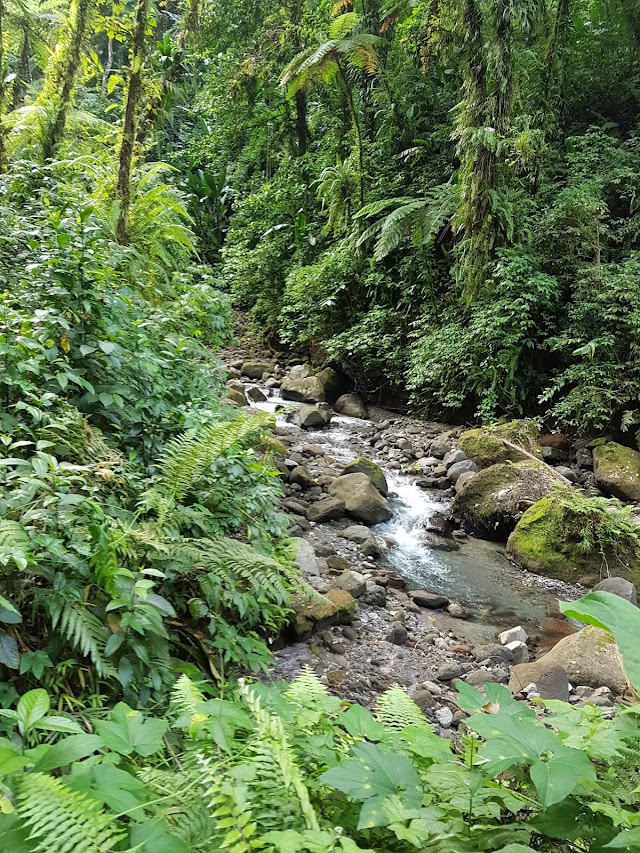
{"points": [[127, 145], [62, 72]]}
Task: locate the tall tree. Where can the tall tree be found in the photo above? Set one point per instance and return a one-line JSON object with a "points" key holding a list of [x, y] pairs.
{"points": [[128, 141]]}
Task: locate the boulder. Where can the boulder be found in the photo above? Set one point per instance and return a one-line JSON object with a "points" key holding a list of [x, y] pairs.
{"points": [[617, 470], [550, 679], [352, 582], [301, 476], [305, 558], [486, 448], [555, 439], [327, 509], [362, 500], [463, 480], [312, 417], [314, 612], [513, 635], [301, 371], [333, 384], [256, 369], [432, 600], [456, 470], [589, 657], [353, 406], [491, 503], [398, 634], [374, 472], [547, 540], [309, 390], [453, 457], [440, 447], [236, 397], [235, 383], [255, 394], [618, 586], [519, 650], [363, 537]]}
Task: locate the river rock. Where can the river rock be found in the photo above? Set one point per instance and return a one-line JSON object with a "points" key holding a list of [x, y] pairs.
{"points": [[256, 369], [312, 417], [301, 371], [449, 671], [617, 470], [567, 473], [456, 610], [459, 468], [374, 596], [618, 586], [486, 446], [547, 539], [491, 503], [366, 540], [235, 383], [398, 634], [428, 599], [493, 652], [519, 651], [309, 390], [437, 523], [453, 457], [305, 557], [550, 679], [440, 447], [512, 635], [463, 480], [236, 397], [589, 657], [439, 543], [555, 439], [444, 716], [584, 458], [255, 394], [352, 582], [482, 676], [353, 406], [327, 509], [374, 472], [294, 506], [363, 501], [301, 477], [314, 612]]}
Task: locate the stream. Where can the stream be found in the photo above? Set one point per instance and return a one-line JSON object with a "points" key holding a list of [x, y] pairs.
{"points": [[477, 575]]}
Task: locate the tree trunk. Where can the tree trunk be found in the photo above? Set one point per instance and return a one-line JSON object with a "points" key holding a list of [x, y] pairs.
{"points": [[302, 130], [62, 72], [107, 67], [123, 186]]}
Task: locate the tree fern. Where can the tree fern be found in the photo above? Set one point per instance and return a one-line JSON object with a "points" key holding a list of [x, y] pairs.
{"points": [[397, 711], [62, 820]]}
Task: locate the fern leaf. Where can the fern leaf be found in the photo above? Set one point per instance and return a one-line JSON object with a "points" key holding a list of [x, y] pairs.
{"points": [[63, 820], [397, 711], [84, 631], [342, 26], [186, 697]]}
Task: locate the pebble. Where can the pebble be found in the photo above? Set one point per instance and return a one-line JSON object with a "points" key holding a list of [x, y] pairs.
{"points": [[444, 716]]}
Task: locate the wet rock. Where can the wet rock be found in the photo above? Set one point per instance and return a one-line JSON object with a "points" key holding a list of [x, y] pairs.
{"points": [[439, 543], [438, 523], [374, 472], [440, 447], [490, 504], [567, 473], [315, 612], [617, 470], [513, 635], [550, 679], [236, 385], [618, 586], [397, 635], [255, 394], [353, 406], [486, 446], [256, 369], [312, 417], [327, 509], [449, 671], [584, 458], [353, 582], [457, 610], [363, 501], [463, 481], [236, 397], [492, 651], [465, 467], [309, 390], [374, 595], [305, 558], [453, 457], [333, 384], [431, 600], [301, 371], [482, 676], [301, 477], [589, 657]]}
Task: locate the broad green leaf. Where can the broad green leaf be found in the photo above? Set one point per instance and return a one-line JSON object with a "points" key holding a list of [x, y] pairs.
{"points": [[10, 761], [128, 732], [60, 724], [153, 836], [32, 707], [426, 743], [360, 723], [68, 750], [619, 617], [9, 653], [628, 839], [9, 614], [557, 778]]}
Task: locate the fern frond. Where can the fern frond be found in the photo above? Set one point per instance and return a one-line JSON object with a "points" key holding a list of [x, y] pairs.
{"points": [[183, 807], [397, 711], [186, 697], [13, 535], [230, 809], [86, 633], [306, 689], [61, 819], [343, 25]]}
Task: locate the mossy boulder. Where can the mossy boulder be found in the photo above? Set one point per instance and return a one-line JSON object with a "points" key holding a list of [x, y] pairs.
{"points": [[486, 447], [617, 470], [493, 500], [374, 472], [589, 657], [546, 541], [308, 390], [314, 612]]}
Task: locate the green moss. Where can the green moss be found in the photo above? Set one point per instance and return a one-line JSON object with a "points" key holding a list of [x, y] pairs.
{"points": [[617, 470], [544, 541], [313, 612], [374, 472], [485, 445]]}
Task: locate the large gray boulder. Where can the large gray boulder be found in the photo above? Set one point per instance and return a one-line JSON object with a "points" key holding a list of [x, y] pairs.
{"points": [[256, 369], [301, 371], [327, 509], [312, 417], [362, 500], [618, 586], [305, 558], [308, 390], [353, 406], [589, 657], [456, 470], [374, 472]]}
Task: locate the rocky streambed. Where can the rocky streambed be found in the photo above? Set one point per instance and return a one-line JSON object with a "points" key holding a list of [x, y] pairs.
{"points": [[405, 595]]}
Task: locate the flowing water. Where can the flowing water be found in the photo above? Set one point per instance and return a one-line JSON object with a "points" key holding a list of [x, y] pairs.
{"points": [[477, 575]]}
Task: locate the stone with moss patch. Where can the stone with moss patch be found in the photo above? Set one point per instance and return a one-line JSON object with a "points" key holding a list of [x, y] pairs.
{"points": [[486, 447], [547, 540], [314, 612], [617, 470], [374, 472], [491, 503]]}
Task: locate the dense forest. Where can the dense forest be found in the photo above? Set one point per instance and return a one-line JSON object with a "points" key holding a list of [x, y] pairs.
{"points": [[437, 202]]}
